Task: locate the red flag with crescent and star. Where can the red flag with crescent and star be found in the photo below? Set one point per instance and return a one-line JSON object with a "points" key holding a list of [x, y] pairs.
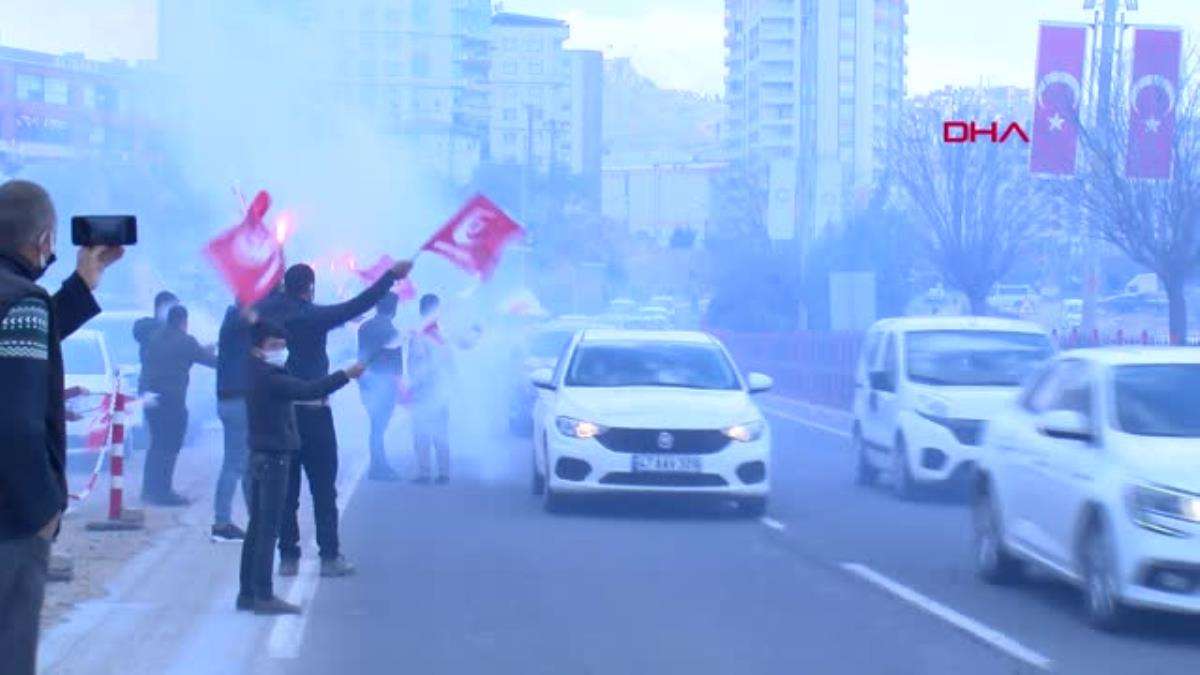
{"points": [[1152, 94], [1057, 95], [475, 236], [249, 256]]}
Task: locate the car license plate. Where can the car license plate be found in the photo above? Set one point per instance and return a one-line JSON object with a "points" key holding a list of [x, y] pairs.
{"points": [[666, 463]]}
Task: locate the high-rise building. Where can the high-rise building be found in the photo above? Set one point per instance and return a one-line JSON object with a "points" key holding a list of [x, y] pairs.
{"points": [[546, 100], [415, 68], [813, 89]]}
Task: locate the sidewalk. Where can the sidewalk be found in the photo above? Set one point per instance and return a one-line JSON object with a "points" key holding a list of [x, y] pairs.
{"points": [[161, 600]]}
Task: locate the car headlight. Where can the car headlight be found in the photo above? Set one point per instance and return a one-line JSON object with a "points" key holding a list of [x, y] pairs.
{"points": [[1147, 502], [744, 433], [573, 428]]}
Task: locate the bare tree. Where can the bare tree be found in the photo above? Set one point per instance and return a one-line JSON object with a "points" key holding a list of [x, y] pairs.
{"points": [[976, 203], [1154, 222]]}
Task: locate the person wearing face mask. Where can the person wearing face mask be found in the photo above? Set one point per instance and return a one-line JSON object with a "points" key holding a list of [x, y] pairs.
{"points": [[308, 326], [145, 328], [274, 440], [33, 486]]}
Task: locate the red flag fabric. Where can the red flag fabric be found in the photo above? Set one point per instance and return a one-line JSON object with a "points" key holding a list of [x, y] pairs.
{"points": [[1057, 95], [248, 256], [475, 236], [403, 288], [1152, 95]]}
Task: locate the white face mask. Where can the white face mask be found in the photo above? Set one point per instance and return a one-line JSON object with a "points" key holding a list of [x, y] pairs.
{"points": [[278, 357]]}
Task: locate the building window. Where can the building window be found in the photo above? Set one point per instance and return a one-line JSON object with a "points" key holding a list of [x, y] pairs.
{"points": [[510, 114], [533, 45], [55, 91], [420, 64], [30, 87], [535, 67], [510, 137], [89, 96], [509, 67], [392, 68], [509, 44]]}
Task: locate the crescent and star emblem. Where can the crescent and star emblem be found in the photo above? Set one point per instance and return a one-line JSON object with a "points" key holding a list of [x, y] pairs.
{"points": [[1153, 123]]}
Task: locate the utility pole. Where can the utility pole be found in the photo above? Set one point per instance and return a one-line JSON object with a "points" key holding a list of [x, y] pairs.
{"points": [[1104, 31], [525, 175]]}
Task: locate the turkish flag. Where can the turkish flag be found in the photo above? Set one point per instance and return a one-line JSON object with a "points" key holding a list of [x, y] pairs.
{"points": [[1057, 95], [248, 256], [1152, 96], [474, 237], [403, 288]]}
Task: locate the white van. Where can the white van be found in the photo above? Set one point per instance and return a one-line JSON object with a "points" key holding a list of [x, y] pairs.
{"points": [[924, 387]]}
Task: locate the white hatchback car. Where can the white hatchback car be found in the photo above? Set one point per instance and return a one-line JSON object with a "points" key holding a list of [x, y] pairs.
{"points": [[87, 364], [1094, 474], [924, 388], [650, 411]]}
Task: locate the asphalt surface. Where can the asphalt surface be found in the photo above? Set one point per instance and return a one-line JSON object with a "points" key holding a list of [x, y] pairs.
{"points": [[474, 577]]}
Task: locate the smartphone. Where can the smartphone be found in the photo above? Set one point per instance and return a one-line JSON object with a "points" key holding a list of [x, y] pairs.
{"points": [[104, 230]]}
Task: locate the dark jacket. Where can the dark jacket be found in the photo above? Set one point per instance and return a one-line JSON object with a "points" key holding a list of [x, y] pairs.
{"points": [[270, 409], [233, 355], [373, 336], [33, 438], [169, 359], [308, 324], [143, 330]]}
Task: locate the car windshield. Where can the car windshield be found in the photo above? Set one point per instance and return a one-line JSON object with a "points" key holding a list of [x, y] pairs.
{"points": [[549, 344], [974, 358], [651, 364], [1158, 400], [82, 356]]}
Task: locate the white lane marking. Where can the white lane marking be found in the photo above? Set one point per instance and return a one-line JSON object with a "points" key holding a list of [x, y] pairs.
{"points": [[989, 635], [772, 523], [287, 632], [772, 410]]}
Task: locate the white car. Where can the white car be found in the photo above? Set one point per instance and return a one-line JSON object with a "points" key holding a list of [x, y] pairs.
{"points": [[924, 387], [1094, 474], [650, 411], [87, 364]]}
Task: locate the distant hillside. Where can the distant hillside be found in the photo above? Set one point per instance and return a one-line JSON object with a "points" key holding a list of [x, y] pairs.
{"points": [[645, 123]]}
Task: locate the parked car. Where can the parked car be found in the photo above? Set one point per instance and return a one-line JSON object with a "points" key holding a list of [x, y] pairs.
{"points": [[650, 412], [1010, 298], [924, 387], [1092, 474], [86, 364]]}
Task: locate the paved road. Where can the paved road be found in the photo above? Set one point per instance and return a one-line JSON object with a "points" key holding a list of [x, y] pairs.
{"points": [[474, 577]]}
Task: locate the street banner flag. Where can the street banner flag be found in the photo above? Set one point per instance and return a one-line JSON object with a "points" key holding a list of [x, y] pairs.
{"points": [[475, 236], [403, 288], [1152, 96], [1057, 95], [248, 256]]}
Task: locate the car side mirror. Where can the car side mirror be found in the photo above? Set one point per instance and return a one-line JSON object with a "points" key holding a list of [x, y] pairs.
{"points": [[758, 382], [880, 380], [1065, 424], [543, 378]]}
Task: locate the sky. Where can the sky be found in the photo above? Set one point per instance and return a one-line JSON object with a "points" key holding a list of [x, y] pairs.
{"points": [[677, 43]]}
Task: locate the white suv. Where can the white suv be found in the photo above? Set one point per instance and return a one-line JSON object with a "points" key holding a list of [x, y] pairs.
{"points": [[924, 387], [1094, 474]]}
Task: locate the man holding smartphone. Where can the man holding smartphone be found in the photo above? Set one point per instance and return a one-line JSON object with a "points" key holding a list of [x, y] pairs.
{"points": [[33, 486]]}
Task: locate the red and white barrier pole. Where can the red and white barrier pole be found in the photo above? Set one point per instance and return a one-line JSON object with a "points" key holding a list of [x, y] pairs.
{"points": [[119, 518]]}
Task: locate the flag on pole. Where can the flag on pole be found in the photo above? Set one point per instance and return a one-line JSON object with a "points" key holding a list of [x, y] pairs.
{"points": [[1152, 95], [249, 256], [475, 236], [1057, 95]]}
